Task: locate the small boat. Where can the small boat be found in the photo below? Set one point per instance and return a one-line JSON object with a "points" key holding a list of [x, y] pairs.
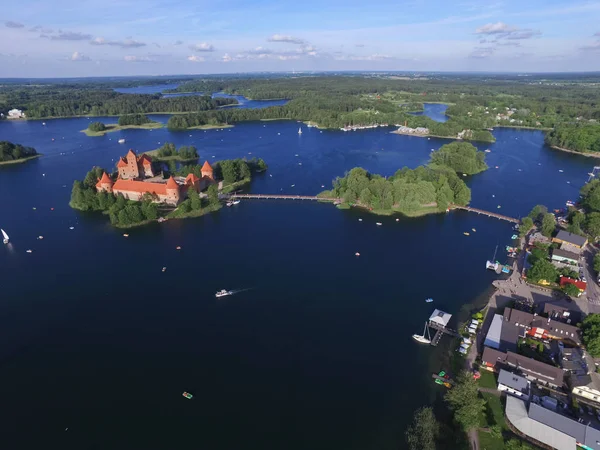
{"points": [[236, 202], [467, 233], [378, 224], [121, 141], [161, 220], [164, 269], [71, 228], [488, 150], [29, 251], [428, 300], [560, 170], [499, 206], [464, 174], [293, 185], [125, 235], [397, 220], [357, 254], [178, 248], [44, 123], [5, 238], [229, 203], [187, 395], [422, 339], [299, 130], [360, 220], [473, 229], [223, 293], [570, 203]]}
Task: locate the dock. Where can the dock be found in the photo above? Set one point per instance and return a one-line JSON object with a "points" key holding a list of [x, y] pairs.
{"points": [[439, 322]]}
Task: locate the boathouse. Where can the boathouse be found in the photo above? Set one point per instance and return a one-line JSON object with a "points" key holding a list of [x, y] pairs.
{"points": [[440, 318]]}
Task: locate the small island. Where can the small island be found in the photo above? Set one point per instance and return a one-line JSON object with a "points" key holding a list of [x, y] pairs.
{"points": [[16, 153], [126, 122], [138, 192], [413, 192], [168, 152]]}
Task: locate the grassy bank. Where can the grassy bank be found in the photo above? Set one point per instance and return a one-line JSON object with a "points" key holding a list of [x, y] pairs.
{"points": [[19, 161], [227, 188], [175, 214], [210, 127], [422, 211], [114, 127]]}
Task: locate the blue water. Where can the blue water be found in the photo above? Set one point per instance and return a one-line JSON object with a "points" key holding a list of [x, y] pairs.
{"points": [[243, 101], [318, 354], [434, 111]]}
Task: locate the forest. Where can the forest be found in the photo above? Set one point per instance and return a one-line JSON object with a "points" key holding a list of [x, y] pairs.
{"points": [[229, 170], [576, 137], [14, 152], [461, 157], [168, 151], [133, 119]]}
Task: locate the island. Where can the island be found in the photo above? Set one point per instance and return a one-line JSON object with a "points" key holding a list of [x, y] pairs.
{"points": [[168, 152], [413, 192], [140, 191], [16, 153], [129, 121]]}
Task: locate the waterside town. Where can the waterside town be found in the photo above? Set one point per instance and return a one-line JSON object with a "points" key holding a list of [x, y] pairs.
{"points": [[136, 178]]}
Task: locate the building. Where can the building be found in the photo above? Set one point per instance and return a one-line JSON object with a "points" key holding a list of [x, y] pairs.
{"points": [[565, 256], [581, 285], [550, 428], [541, 327], [440, 318], [169, 192], [538, 237], [133, 167], [536, 371], [503, 335], [574, 240], [15, 114], [513, 384], [561, 314]]}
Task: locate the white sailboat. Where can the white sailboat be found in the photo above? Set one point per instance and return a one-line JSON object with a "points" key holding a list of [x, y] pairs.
{"points": [[4, 236], [299, 130], [423, 339]]}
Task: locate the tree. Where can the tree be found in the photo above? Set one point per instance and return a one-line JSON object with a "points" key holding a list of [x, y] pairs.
{"points": [[590, 331], [526, 225], [11, 152], [195, 201], [185, 207], [592, 224], [213, 195], [537, 212], [462, 157], [149, 210], [548, 224], [597, 262], [571, 290], [96, 127], [92, 177], [464, 400], [229, 171], [542, 270], [167, 149], [423, 432]]}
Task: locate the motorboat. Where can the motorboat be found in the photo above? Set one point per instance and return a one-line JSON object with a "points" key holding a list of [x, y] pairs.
{"points": [[5, 238], [378, 224], [187, 395], [422, 339], [428, 300], [229, 203], [223, 293], [235, 202], [299, 130], [467, 233], [121, 141]]}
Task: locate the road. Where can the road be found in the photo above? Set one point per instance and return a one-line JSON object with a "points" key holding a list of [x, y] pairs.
{"points": [[592, 293]]}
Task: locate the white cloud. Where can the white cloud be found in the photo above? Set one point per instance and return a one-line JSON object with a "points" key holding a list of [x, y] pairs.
{"points": [[226, 58], [202, 47], [77, 56], [500, 30], [11, 24], [132, 58], [597, 34], [285, 38], [482, 52], [287, 57], [70, 36], [127, 43], [373, 57], [195, 58], [495, 28]]}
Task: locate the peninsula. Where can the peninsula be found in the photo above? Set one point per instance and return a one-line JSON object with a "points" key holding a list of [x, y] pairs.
{"points": [[16, 153]]}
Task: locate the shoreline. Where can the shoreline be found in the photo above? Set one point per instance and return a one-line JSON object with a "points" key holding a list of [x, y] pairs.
{"points": [[454, 138], [589, 155], [210, 127], [115, 127], [19, 161], [153, 154]]}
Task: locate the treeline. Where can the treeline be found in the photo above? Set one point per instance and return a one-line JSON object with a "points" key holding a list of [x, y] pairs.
{"points": [[582, 138], [96, 127], [14, 152], [122, 212], [228, 170], [461, 157], [184, 153], [133, 119], [60, 102]]}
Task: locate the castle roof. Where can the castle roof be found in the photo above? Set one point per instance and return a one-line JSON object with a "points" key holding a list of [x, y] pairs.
{"points": [[172, 184], [140, 186], [192, 178], [207, 167], [146, 160], [131, 153], [104, 180], [122, 163]]}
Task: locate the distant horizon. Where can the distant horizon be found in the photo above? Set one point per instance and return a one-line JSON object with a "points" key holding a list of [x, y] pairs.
{"points": [[115, 38]]}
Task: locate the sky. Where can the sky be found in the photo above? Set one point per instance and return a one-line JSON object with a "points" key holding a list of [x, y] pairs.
{"points": [[76, 38]]}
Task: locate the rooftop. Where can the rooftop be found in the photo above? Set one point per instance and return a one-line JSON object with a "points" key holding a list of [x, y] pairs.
{"points": [[565, 254], [440, 317], [574, 239], [513, 381], [519, 318]]}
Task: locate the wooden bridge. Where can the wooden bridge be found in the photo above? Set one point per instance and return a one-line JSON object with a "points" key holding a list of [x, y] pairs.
{"points": [[284, 197], [339, 200], [486, 213]]}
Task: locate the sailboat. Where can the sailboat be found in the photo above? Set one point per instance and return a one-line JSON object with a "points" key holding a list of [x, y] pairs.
{"points": [[4, 236], [423, 339], [299, 130], [491, 265]]}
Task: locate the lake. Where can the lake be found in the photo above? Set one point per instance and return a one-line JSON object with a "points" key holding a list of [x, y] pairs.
{"points": [[316, 354], [159, 89], [435, 111]]}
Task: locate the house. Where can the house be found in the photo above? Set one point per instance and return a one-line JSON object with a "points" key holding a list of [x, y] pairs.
{"points": [[133, 167], [440, 318], [581, 285], [571, 239], [15, 114], [537, 371], [565, 256], [542, 328], [561, 313], [513, 384], [503, 335], [538, 237], [549, 429]]}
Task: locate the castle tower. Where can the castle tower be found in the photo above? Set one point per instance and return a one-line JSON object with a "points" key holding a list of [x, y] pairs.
{"points": [[104, 184], [207, 170], [193, 182], [173, 194], [132, 165]]}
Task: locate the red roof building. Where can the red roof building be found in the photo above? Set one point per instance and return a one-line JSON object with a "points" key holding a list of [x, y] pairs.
{"points": [[207, 170], [168, 192], [581, 285], [133, 167]]}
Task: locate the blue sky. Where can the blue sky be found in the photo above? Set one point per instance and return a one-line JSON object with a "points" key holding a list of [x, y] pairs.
{"points": [[58, 38]]}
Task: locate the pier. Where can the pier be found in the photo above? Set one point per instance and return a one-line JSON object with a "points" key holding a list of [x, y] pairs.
{"points": [[485, 213], [439, 321]]}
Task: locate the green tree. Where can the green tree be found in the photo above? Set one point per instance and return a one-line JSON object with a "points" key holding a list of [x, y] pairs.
{"points": [[464, 400], [185, 207], [576, 221], [195, 201], [424, 430], [92, 177], [537, 212], [167, 149], [96, 127], [243, 169], [590, 331], [526, 225], [597, 262], [542, 270], [213, 195], [149, 210], [229, 171], [462, 157], [571, 290], [592, 224], [548, 224], [77, 197]]}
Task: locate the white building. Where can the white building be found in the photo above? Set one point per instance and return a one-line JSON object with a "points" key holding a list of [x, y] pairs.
{"points": [[15, 114], [513, 384]]}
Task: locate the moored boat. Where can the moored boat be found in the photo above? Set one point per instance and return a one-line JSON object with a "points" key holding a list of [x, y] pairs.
{"points": [[5, 238], [422, 339]]}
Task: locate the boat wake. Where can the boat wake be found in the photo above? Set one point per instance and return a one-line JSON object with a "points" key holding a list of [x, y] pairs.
{"points": [[237, 291]]}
